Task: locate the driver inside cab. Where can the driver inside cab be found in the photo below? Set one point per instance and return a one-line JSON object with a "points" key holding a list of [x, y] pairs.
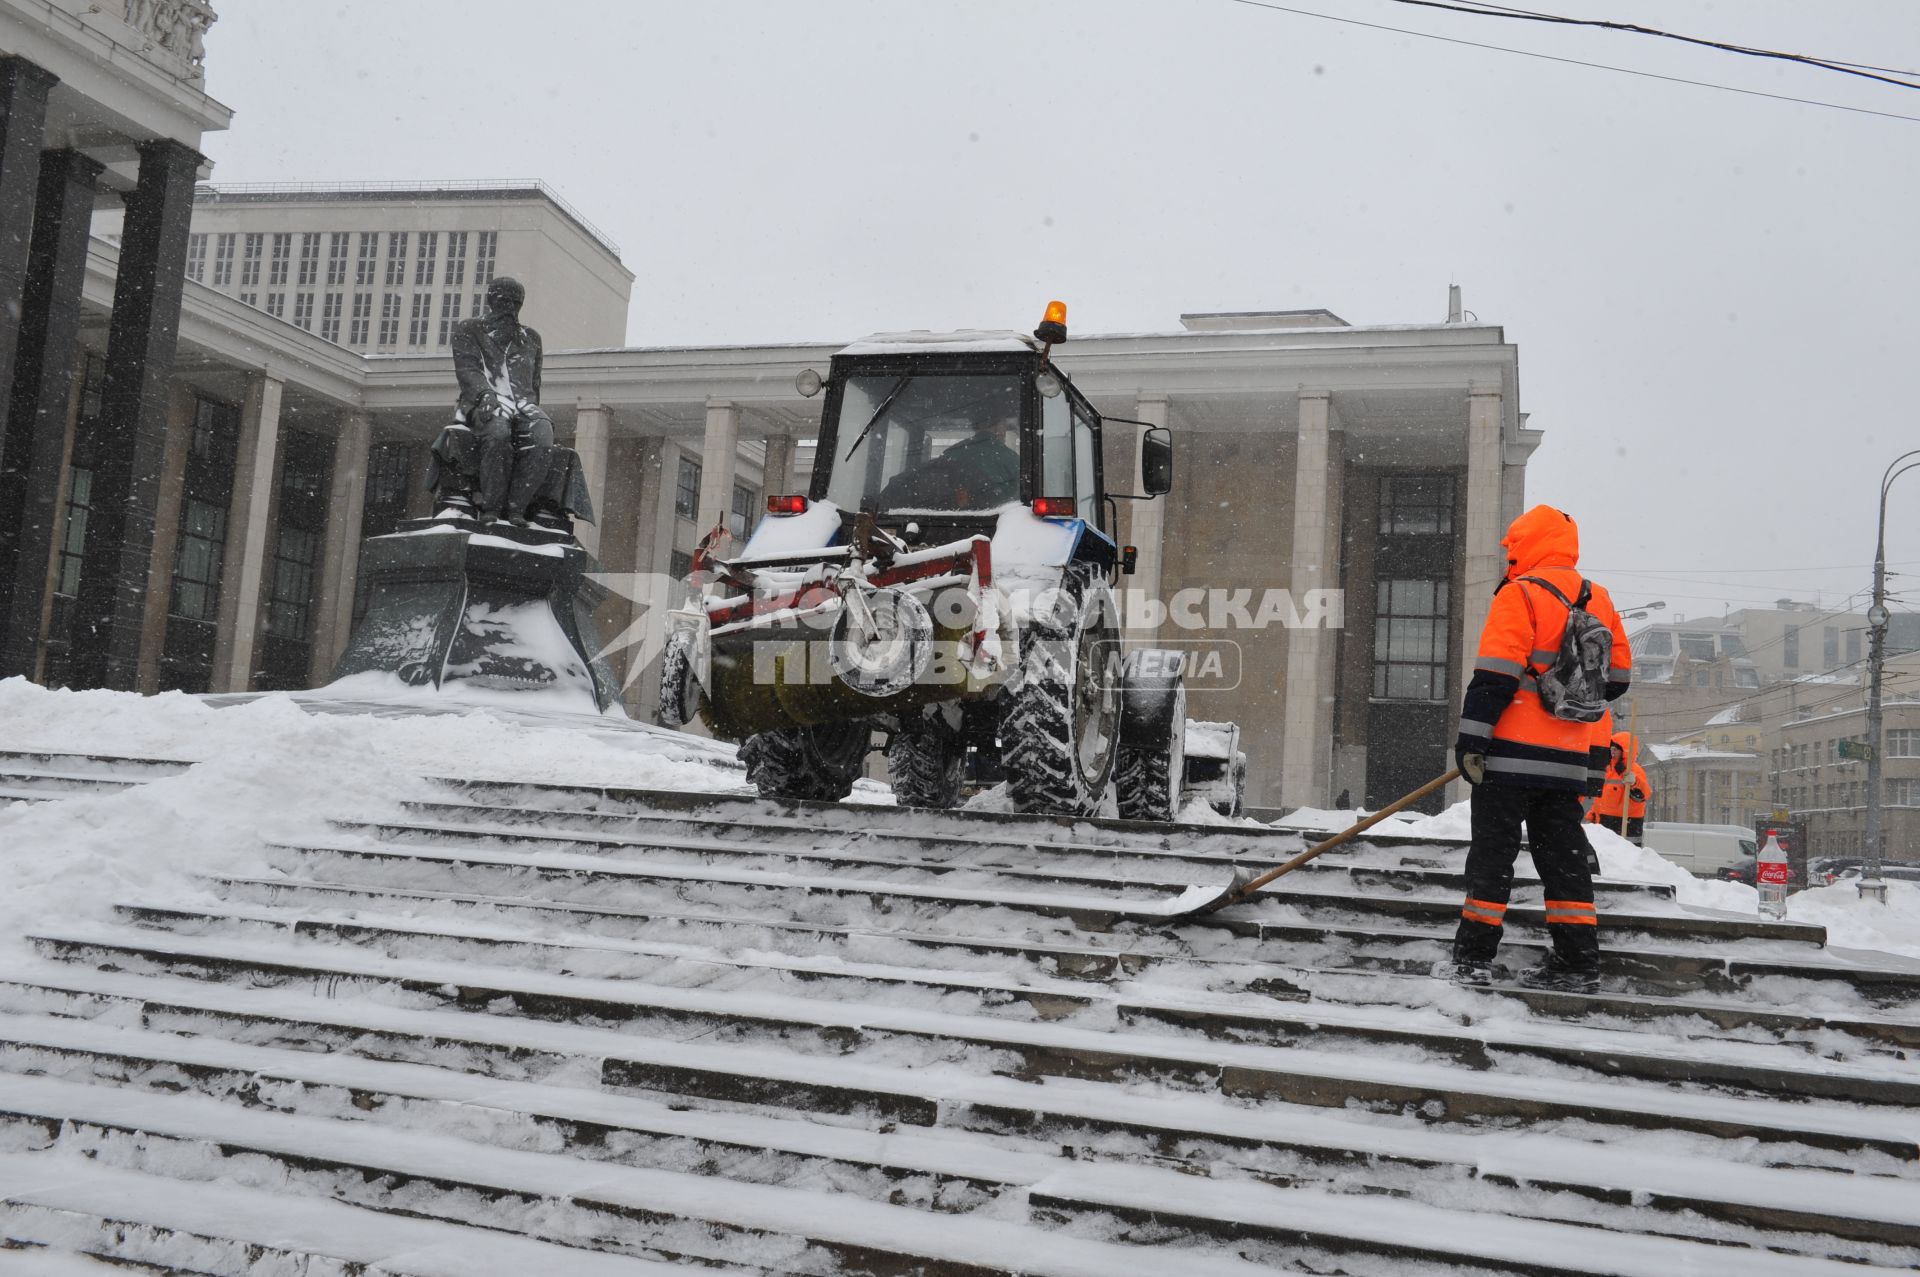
{"points": [[980, 472]]}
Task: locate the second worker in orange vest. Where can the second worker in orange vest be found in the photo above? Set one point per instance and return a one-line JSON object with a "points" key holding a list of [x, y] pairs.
{"points": [[1527, 767], [1622, 804]]}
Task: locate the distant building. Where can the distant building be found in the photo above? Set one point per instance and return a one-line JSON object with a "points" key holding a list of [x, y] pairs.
{"points": [[388, 268]]}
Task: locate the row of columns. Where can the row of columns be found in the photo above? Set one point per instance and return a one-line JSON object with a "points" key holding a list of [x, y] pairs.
{"points": [[46, 203]]}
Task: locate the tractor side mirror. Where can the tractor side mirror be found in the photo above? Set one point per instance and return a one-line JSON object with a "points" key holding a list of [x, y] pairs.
{"points": [[1156, 461]]}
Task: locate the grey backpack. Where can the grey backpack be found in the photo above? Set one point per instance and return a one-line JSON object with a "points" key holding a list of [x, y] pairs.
{"points": [[1574, 687]]}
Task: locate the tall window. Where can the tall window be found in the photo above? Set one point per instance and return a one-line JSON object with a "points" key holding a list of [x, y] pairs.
{"points": [[456, 259], [483, 254], [390, 320], [369, 254], [1416, 505], [303, 311], [197, 560], [337, 242], [277, 305], [424, 263], [422, 318], [362, 317], [686, 490], [290, 597], [282, 254], [679, 563], [449, 315], [741, 522], [1853, 646], [73, 536], [223, 261], [197, 258], [250, 261], [1830, 646], [309, 259], [330, 313], [1410, 640], [479, 304], [1790, 648], [396, 258]]}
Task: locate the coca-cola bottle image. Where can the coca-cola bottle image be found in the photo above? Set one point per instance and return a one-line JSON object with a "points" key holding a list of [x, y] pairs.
{"points": [[1772, 878]]}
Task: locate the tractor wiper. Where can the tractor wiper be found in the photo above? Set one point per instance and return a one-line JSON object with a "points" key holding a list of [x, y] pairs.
{"points": [[878, 413]]}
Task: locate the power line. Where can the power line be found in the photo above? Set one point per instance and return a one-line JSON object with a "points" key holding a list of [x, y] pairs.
{"points": [[1634, 28], [1598, 66], [1824, 567]]}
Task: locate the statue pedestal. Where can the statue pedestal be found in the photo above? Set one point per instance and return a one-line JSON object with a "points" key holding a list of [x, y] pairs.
{"points": [[492, 606]]}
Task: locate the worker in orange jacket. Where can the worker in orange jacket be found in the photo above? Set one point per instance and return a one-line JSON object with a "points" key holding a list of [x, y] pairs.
{"points": [[1622, 804], [1528, 766]]}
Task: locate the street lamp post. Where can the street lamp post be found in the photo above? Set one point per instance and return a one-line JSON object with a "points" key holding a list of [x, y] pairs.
{"points": [[1872, 885]]}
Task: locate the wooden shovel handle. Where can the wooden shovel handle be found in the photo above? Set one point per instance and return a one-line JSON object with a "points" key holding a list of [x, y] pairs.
{"points": [[1345, 835]]}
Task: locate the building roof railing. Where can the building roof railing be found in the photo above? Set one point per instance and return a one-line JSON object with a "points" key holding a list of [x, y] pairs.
{"points": [[214, 191]]}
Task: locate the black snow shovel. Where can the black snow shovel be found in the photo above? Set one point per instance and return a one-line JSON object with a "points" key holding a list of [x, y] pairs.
{"points": [[1244, 885]]}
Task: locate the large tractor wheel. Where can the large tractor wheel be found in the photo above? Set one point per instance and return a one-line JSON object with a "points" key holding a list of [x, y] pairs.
{"points": [[1151, 775], [926, 760], [818, 763], [1061, 725]]}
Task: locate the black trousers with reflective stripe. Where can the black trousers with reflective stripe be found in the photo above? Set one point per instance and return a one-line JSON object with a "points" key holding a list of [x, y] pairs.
{"points": [[1551, 818]]}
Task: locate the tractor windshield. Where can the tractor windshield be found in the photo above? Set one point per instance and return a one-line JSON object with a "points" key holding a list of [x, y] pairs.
{"points": [[927, 442]]}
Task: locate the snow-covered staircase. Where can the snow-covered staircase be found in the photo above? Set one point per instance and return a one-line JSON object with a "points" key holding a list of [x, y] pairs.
{"points": [[44, 776], [533, 1029]]}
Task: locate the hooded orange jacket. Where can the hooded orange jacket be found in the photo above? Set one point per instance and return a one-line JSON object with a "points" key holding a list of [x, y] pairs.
{"points": [[1617, 799], [1503, 717]]}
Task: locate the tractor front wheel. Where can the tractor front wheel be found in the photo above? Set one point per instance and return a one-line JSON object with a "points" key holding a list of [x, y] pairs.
{"points": [[818, 764], [1061, 724]]}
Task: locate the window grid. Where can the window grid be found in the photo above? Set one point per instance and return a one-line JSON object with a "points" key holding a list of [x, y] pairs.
{"points": [[679, 564], [282, 254], [249, 299], [290, 598], [73, 537], [362, 314], [309, 259], [456, 259], [449, 315], [424, 264], [369, 255], [1903, 742], [337, 243], [390, 320], [396, 258], [330, 316], [277, 305], [483, 255], [422, 317], [197, 562], [1416, 505], [1410, 640], [223, 261], [197, 258], [303, 311], [744, 500], [686, 490], [250, 260]]}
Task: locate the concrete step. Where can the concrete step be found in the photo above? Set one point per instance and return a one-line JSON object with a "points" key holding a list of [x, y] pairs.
{"points": [[1220, 1008], [433, 1173], [1301, 1075], [102, 765]]}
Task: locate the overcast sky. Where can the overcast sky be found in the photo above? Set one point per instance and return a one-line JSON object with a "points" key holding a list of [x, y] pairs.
{"points": [[1714, 295]]}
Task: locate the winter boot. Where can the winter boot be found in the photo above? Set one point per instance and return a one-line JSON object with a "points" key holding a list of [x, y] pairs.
{"points": [[1466, 971], [1557, 975]]}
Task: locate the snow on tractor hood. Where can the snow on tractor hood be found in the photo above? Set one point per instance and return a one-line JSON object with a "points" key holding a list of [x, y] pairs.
{"points": [[921, 342]]}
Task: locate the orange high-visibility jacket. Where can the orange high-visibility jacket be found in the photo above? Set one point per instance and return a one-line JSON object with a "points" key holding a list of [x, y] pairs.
{"points": [[1617, 798], [1503, 717]]}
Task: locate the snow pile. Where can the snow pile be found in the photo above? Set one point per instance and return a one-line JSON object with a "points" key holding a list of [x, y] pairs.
{"points": [[266, 768]]}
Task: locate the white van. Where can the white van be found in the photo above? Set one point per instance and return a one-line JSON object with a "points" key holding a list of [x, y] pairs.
{"points": [[1702, 850]]}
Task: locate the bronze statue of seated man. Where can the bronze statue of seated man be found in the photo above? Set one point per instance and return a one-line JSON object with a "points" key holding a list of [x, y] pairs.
{"points": [[497, 460]]}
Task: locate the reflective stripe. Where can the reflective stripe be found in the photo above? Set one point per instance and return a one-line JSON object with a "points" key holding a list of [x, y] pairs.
{"points": [[1493, 906], [1496, 665], [1470, 728], [1531, 767], [1579, 913], [1484, 919], [1571, 904], [1543, 658]]}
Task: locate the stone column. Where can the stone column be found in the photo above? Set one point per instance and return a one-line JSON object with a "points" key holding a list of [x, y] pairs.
{"points": [[157, 593], [35, 435], [719, 455], [141, 339], [1307, 754], [1146, 530], [249, 519], [777, 471], [652, 551], [23, 123], [1484, 562], [340, 569], [592, 429]]}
